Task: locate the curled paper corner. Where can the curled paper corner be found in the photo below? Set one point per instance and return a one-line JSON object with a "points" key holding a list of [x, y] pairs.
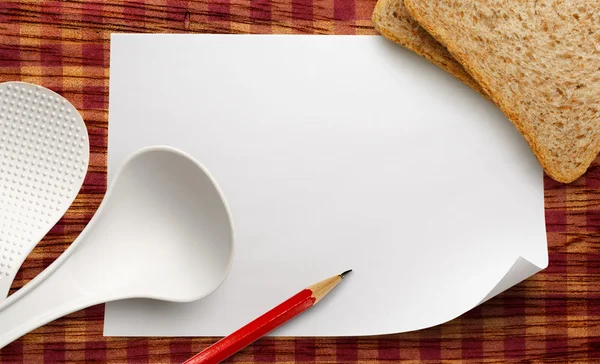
{"points": [[519, 271]]}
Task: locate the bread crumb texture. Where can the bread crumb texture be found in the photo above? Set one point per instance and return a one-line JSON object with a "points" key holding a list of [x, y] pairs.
{"points": [[539, 61]]}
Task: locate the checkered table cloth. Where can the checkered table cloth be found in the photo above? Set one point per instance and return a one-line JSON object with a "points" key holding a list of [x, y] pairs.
{"points": [[552, 317]]}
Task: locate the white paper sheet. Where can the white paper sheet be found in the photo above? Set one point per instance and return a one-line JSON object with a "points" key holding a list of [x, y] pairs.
{"points": [[334, 152]]}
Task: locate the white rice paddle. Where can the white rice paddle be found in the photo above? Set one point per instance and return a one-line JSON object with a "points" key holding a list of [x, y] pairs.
{"points": [[163, 231], [44, 153]]}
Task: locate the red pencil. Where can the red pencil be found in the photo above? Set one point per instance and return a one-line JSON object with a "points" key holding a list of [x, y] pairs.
{"points": [[256, 329]]}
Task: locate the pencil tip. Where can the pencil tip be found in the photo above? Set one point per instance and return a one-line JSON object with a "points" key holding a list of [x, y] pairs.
{"points": [[345, 273]]}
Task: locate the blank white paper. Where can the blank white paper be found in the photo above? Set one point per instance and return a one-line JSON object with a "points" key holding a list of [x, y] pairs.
{"points": [[334, 153]]}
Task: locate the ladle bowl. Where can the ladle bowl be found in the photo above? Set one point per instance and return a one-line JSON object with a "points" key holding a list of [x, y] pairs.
{"points": [[163, 231]]}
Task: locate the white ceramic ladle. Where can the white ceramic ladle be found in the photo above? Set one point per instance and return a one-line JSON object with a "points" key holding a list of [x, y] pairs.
{"points": [[163, 231]]}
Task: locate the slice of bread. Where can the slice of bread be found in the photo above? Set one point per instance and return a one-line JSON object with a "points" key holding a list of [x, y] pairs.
{"points": [[392, 20], [539, 61]]}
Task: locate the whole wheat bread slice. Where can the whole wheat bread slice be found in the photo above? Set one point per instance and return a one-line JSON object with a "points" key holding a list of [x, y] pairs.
{"points": [[539, 61], [392, 20]]}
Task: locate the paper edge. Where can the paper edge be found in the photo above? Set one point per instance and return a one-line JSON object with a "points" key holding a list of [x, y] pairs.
{"points": [[520, 270]]}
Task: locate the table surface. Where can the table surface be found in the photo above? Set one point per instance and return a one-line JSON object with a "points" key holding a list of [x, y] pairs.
{"points": [[64, 45]]}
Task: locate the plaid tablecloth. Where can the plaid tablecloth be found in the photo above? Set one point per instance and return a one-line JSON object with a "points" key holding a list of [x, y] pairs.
{"points": [[64, 45]]}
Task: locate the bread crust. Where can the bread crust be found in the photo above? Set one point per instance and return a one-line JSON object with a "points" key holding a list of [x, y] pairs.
{"points": [[416, 39]]}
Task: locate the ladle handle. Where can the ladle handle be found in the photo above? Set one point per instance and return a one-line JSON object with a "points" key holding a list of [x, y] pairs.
{"points": [[52, 294]]}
